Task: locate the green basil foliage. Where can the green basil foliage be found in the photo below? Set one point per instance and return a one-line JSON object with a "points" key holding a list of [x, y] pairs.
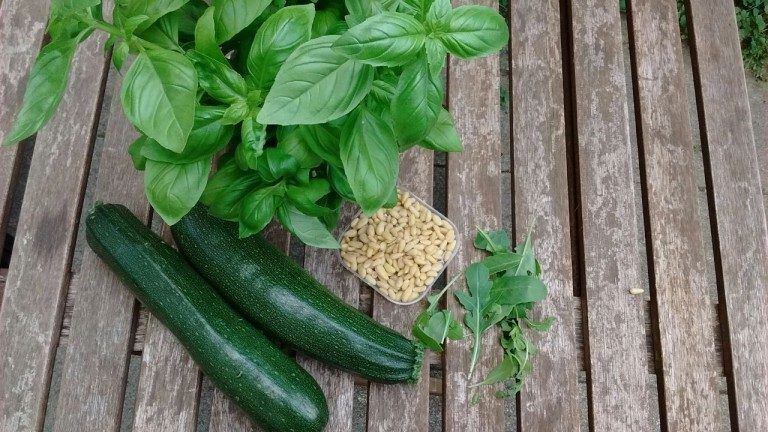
{"points": [[298, 104]]}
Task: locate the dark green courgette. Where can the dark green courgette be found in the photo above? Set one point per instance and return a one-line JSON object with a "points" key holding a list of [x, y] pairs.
{"points": [[267, 384], [281, 298]]}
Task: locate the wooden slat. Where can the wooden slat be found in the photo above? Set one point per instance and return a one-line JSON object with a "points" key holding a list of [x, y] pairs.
{"points": [[403, 407], [225, 415], [685, 339], [541, 191], [39, 272], [616, 347], [741, 237], [337, 386], [99, 346], [22, 24], [474, 189]]}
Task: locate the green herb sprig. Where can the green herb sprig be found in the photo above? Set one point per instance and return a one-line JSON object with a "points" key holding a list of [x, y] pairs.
{"points": [[501, 290]]}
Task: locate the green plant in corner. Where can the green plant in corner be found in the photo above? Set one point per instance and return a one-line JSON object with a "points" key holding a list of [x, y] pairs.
{"points": [[307, 104]]}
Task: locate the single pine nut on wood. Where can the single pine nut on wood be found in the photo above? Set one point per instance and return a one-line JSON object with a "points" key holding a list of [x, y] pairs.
{"points": [[636, 291]]}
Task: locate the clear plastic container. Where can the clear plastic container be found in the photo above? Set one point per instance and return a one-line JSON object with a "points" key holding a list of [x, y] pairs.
{"points": [[439, 273]]}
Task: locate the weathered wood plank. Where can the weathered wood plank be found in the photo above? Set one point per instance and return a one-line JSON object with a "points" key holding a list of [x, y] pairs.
{"points": [[615, 351], [474, 189], [403, 407], [685, 339], [99, 346], [541, 192], [337, 386], [225, 415], [33, 300], [22, 25], [741, 237]]}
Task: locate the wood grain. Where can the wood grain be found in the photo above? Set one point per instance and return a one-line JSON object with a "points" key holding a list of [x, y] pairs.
{"points": [[22, 25], [541, 193], [33, 300], [614, 327], [99, 345], [225, 415], [474, 189], [403, 407], [741, 237], [338, 386], [686, 343]]}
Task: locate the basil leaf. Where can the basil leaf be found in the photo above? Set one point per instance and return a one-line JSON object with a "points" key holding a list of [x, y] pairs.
{"points": [[159, 97], [359, 11], [275, 40], [236, 113], [306, 196], [340, 183], [307, 228], [475, 31], [370, 158], [65, 27], [417, 8], [134, 151], [293, 144], [387, 39], [323, 140], [276, 164], [174, 189], [443, 135], [208, 136], [328, 22], [219, 80], [439, 16], [253, 135], [316, 85], [232, 16], [417, 102], [164, 32], [119, 54], [45, 88], [205, 36], [152, 9], [436, 53], [258, 208], [188, 16], [62, 7], [226, 189], [129, 25]]}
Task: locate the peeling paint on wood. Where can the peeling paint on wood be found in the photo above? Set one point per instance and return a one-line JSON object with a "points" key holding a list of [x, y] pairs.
{"points": [[686, 339], [616, 347], [742, 236], [541, 193]]}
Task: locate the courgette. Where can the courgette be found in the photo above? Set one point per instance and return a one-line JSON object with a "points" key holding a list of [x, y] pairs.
{"points": [[267, 384], [281, 298]]}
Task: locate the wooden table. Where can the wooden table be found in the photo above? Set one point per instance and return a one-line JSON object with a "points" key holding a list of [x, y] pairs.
{"points": [[689, 357]]}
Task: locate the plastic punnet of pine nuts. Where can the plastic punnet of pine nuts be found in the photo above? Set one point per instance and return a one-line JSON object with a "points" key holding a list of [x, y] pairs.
{"points": [[400, 252]]}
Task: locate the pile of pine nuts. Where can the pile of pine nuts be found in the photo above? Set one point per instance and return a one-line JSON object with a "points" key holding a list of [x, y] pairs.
{"points": [[401, 250]]}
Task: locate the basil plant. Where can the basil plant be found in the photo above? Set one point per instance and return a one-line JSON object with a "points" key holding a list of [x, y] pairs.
{"points": [[303, 105]]}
